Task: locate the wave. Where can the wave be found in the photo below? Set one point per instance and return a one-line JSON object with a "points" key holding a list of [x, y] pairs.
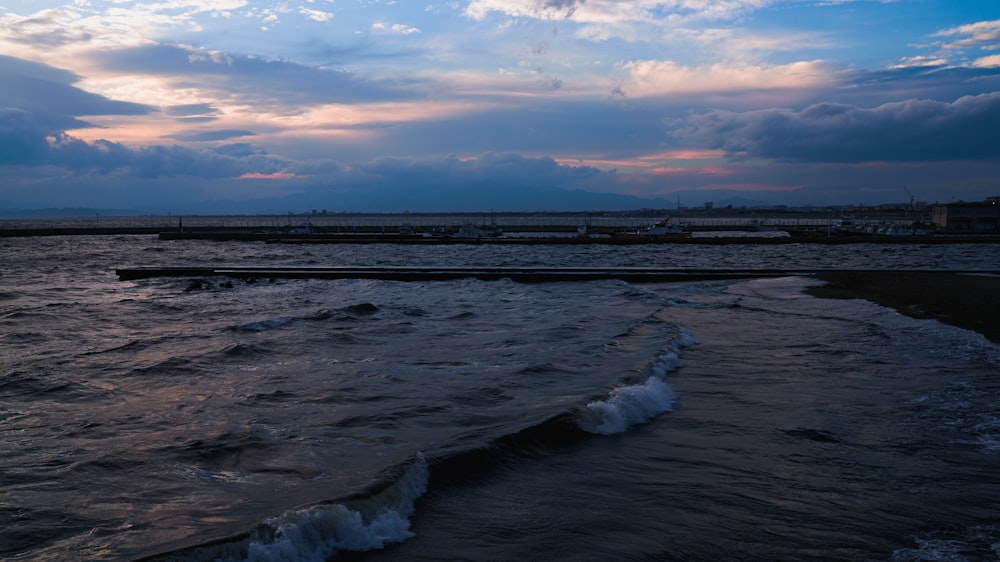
{"points": [[380, 516], [264, 325], [347, 313], [134, 345], [637, 403], [978, 542], [46, 386], [627, 406], [624, 406], [319, 532], [241, 349]]}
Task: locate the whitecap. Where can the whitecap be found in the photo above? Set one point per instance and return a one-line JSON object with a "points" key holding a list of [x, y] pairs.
{"points": [[627, 406]]}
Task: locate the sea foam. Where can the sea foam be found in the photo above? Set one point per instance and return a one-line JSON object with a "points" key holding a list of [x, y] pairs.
{"points": [[319, 532], [628, 406], [633, 404]]}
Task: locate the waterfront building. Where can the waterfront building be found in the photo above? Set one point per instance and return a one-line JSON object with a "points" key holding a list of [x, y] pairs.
{"points": [[983, 216]]}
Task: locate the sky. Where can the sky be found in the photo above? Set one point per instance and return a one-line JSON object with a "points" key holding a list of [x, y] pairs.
{"points": [[396, 105]]}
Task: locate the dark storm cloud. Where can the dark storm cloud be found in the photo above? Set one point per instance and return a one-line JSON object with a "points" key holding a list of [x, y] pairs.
{"points": [[239, 150], [499, 167], [875, 87], [25, 143], [420, 182], [38, 104], [49, 95], [22, 138], [252, 79], [911, 130], [552, 127], [498, 181], [155, 161]]}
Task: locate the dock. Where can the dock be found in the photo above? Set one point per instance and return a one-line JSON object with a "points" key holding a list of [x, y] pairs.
{"points": [[518, 274]]}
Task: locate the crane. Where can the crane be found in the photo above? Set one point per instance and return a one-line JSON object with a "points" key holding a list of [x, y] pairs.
{"points": [[912, 208]]}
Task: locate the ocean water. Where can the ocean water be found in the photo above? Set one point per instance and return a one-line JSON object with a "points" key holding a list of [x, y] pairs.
{"points": [[215, 419]]}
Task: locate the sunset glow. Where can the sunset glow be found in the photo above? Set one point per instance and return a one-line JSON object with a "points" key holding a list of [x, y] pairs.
{"points": [[747, 99]]}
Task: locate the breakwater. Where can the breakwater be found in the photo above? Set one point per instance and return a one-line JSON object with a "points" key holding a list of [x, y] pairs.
{"points": [[520, 274]]}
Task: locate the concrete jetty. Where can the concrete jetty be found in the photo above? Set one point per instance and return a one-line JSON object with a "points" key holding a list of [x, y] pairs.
{"points": [[519, 274]]}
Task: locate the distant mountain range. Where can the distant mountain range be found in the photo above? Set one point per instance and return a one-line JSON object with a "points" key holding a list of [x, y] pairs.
{"points": [[67, 213]]}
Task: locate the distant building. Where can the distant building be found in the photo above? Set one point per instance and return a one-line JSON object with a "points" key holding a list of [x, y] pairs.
{"points": [[974, 217]]}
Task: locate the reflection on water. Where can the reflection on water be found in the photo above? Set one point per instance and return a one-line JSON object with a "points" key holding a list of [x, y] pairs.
{"points": [[726, 419]]}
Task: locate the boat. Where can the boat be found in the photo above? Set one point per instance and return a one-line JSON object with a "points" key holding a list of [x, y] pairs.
{"points": [[661, 229], [304, 228], [757, 225], [896, 228]]}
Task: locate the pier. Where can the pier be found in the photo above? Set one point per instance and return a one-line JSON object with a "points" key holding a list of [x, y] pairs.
{"points": [[516, 228], [518, 274]]}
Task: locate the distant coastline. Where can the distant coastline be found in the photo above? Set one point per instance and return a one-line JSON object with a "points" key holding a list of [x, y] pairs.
{"points": [[781, 226]]}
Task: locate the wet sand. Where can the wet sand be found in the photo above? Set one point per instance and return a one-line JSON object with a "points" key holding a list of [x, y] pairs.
{"points": [[967, 301]]}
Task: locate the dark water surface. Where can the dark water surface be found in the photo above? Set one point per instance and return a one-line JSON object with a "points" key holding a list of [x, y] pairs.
{"points": [[311, 419]]}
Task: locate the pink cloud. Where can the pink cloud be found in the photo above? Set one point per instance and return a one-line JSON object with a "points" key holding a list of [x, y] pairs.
{"points": [[698, 171], [656, 160], [282, 175]]}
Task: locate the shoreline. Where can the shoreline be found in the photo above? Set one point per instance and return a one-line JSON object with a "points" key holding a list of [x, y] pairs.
{"points": [[368, 235], [968, 301]]}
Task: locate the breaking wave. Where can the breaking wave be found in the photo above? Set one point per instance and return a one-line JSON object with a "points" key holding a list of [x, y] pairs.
{"points": [[318, 532], [637, 403]]}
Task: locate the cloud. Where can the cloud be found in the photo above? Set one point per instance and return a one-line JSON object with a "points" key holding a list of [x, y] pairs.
{"points": [[105, 157], [282, 175], [992, 61], [316, 15], [109, 24], [191, 110], [396, 28], [47, 28], [963, 44], [982, 35], [38, 104], [507, 168], [247, 79], [49, 95], [216, 135], [498, 181], [912, 130], [537, 9], [658, 78], [22, 138], [615, 12]]}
